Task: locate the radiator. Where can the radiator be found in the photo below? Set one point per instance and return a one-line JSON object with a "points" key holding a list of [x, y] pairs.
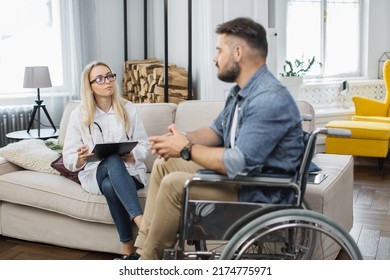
{"points": [[13, 118]]}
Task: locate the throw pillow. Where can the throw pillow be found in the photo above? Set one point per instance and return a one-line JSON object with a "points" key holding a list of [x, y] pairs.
{"points": [[32, 154], [58, 165]]}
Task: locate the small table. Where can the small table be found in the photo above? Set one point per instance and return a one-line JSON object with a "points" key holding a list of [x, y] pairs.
{"points": [[33, 134]]}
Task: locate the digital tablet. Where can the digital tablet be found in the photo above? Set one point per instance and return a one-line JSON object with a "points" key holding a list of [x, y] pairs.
{"points": [[102, 151]]}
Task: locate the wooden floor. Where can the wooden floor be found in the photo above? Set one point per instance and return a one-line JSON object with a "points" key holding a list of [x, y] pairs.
{"points": [[14, 249], [371, 228]]}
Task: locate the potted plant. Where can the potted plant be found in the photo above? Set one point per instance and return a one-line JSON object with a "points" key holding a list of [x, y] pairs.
{"points": [[293, 72]]}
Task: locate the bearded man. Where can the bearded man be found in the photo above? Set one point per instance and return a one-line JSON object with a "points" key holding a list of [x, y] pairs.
{"points": [[259, 129]]}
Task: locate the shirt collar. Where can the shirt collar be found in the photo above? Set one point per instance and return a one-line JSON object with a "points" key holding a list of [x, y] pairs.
{"points": [[243, 92], [255, 79], [99, 112]]}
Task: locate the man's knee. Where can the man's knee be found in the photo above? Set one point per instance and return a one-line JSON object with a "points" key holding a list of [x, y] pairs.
{"points": [[158, 164], [174, 182], [162, 168]]}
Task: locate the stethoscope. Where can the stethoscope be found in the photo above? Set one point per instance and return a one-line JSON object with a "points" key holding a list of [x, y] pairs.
{"points": [[101, 132]]}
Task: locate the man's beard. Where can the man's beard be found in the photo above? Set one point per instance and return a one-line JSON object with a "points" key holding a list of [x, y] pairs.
{"points": [[231, 73]]}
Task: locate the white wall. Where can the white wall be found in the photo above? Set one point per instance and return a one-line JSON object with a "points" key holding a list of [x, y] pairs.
{"points": [[105, 33], [378, 37]]}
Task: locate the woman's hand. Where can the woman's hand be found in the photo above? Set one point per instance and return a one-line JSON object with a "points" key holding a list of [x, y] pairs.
{"points": [[83, 153], [129, 157]]}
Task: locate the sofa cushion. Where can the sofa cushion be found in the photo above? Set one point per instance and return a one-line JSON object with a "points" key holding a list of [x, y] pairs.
{"points": [[70, 106], [56, 194], [194, 114], [207, 111], [53, 193], [7, 166], [156, 118], [30, 154]]}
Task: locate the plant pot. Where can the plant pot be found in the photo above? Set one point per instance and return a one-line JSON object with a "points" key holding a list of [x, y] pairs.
{"points": [[293, 84]]}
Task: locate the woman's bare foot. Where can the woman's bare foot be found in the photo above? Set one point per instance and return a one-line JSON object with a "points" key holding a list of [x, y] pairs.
{"points": [[138, 221], [128, 247]]}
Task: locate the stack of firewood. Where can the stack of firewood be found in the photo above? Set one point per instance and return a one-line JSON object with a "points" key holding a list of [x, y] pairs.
{"points": [[143, 82]]}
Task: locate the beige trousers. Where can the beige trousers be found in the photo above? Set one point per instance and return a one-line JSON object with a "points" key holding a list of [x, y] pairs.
{"points": [[161, 219]]}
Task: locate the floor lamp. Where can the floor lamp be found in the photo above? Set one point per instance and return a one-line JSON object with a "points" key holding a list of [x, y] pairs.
{"points": [[38, 77]]}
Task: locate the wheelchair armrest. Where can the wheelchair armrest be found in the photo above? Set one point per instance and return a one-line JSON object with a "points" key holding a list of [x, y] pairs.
{"points": [[259, 177]]}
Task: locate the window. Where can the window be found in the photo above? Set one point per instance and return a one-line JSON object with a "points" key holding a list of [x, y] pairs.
{"points": [[328, 30], [30, 35]]}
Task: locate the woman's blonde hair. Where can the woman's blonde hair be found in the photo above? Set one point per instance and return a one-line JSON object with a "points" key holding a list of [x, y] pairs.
{"points": [[89, 104]]}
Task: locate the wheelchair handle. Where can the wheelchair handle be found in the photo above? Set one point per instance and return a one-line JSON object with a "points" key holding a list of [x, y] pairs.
{"points": [[339, 132], [306, 117]]}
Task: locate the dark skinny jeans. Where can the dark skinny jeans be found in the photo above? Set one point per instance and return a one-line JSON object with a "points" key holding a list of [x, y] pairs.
{"points": [[120, 191]]}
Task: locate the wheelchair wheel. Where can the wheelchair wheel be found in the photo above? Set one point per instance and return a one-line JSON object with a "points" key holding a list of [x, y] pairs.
{"points": [[204, 247], [292, 234]]}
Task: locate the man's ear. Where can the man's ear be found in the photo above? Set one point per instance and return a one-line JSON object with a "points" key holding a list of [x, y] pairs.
{"points": [[237, 53]]}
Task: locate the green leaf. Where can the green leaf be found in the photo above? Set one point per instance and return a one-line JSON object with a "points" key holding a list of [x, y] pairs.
{"points": [[298, 67]]}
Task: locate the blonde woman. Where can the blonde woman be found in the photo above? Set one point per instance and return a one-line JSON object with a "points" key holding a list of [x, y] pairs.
{"points": [[102, 117]]}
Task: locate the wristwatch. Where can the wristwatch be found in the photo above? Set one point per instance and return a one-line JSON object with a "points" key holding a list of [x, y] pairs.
{"points": [[185, 153]]}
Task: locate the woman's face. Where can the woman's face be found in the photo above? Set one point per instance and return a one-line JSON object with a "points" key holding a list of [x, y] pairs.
{"points": [[104, 88]]}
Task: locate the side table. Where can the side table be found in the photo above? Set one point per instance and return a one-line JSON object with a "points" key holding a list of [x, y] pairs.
{"points": [[33, 134]]}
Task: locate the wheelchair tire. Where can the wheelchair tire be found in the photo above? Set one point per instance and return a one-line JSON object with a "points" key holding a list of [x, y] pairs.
{"points": [[288, 234]]}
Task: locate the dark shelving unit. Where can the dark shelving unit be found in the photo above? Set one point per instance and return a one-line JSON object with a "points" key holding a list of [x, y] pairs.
{"points": [[166, 43]]}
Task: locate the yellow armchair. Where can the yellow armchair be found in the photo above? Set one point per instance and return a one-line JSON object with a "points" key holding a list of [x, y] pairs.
{"points": [[367, 109]]}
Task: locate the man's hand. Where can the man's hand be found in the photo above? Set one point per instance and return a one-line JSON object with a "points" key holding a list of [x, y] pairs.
{"points": [[168, 145]]}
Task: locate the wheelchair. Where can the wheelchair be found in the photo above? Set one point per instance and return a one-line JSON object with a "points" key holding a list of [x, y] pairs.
{"points": [[212, 230]]}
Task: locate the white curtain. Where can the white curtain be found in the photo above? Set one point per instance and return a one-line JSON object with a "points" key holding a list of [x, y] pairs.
{"points": [[73, 30]]}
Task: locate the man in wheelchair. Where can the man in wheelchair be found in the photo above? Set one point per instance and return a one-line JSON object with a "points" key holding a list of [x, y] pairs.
{"points": [[259, 129]]}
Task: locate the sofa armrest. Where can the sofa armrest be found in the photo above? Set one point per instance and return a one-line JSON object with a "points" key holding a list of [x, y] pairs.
{"points": [[7, 167]]}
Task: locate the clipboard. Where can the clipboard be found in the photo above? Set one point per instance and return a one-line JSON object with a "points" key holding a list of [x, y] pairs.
{"points": [[104, 150]]}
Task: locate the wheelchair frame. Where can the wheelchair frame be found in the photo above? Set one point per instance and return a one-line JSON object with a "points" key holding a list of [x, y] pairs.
{"points": [[259, 231]]}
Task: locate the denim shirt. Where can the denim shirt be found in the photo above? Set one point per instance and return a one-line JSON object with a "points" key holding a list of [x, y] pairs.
{"points": [[269, 131]]}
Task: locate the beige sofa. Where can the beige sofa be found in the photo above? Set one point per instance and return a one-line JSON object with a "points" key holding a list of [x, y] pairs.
{"points": [[48, 208]]}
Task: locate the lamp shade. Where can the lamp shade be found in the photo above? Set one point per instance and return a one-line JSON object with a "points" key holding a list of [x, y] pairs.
{"points": [[36, 77]]}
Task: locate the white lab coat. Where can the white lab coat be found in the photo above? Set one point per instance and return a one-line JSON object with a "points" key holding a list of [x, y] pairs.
{"points": [[78, 134]]}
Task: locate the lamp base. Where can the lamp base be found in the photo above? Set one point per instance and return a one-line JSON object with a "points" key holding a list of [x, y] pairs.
{"points": [[36, 109]]}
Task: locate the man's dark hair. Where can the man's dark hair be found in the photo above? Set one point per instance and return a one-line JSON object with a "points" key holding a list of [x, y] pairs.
{"points": [[247, 29]]}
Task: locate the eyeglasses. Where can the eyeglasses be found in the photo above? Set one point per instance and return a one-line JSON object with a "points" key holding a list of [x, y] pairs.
{"points": [[102, 79]]}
